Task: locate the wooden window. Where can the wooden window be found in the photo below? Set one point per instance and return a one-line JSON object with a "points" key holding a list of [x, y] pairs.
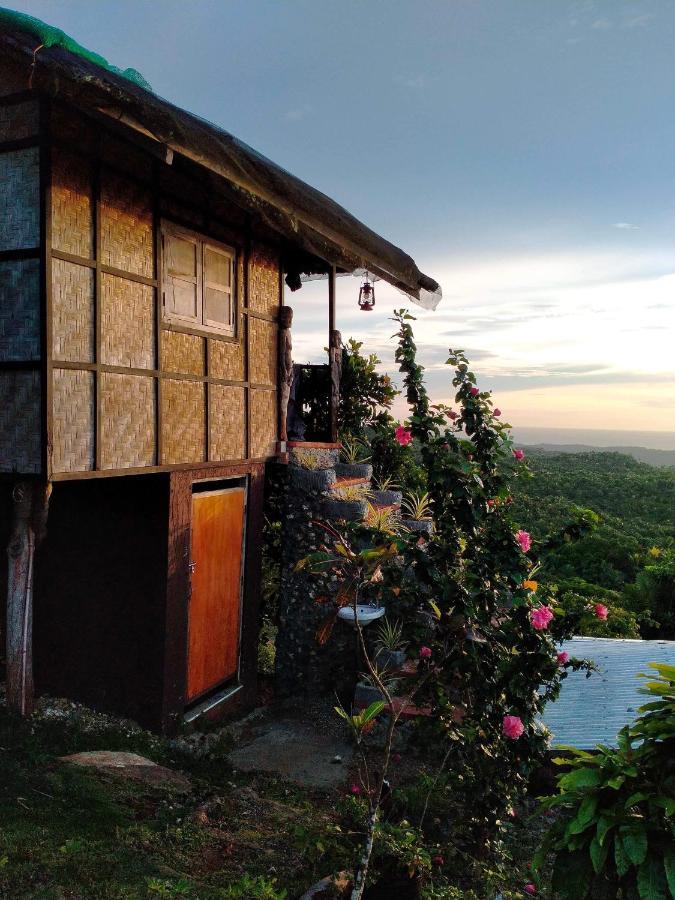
{"points": [[197, 281]]}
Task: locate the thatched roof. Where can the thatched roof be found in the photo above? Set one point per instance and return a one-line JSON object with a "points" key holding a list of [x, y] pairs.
{"points": [[297, 212]]}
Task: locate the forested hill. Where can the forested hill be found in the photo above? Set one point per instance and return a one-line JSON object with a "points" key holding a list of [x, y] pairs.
{"points": [[612, 484], [627, 561], [642, 454]]}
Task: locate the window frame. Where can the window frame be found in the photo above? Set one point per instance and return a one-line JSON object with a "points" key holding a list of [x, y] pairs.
{"points": [[199, 323]]}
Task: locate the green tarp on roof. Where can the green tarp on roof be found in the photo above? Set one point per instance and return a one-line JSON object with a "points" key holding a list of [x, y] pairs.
{"points": [[48, 36]]}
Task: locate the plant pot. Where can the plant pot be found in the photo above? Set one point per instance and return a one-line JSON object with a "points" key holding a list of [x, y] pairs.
{"points": [[421, 526], [354, 470], [391, 660], [350, 510], [387, 498], [315, 480], [365, 614], [365, 694]]}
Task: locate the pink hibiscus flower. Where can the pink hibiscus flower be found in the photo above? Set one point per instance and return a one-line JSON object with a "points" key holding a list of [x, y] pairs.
{"points": [[530, 889], [540, 617], [524, 540], [496, 412], [562, 658], [474, 392], [403, 435], [513, 727], [601, 611], [452, 414], [425, 652], [519, 454]]}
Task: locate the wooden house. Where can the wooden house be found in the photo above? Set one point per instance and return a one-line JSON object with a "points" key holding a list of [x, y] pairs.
{"points": [[143, 253]]}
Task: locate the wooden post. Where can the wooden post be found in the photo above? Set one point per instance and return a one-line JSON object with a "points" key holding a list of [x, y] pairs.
{"points": [[31, 502], [334, 358]]}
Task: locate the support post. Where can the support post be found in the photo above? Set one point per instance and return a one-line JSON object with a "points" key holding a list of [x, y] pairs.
{"points": [[334, 357], [31, 503]]}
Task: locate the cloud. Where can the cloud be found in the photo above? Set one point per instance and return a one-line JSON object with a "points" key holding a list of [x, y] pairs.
{"points": [[601, 25], [639, 21], [625, 226]]}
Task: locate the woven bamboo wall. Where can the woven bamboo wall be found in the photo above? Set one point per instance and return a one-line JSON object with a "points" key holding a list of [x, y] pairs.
{"points": [[20, 199], [20, 432], [12, 81], [72, 312], [264, 281], [73, 431], [186, 395], [183, 421], [127, 323], [263, 413], [20, 120], [183, 353], [20, 282], [72, 204], [19, 310], [227, 422], [126, 225], [127, 421]]}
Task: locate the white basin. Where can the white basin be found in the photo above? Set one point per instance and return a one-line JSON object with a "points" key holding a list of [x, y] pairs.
{"points": [[364, 613]]}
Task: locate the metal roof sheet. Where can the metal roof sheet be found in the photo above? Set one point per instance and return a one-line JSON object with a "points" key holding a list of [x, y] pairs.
{"points": [[592, 711]]}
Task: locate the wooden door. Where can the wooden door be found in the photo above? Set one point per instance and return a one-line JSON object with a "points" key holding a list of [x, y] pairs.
{"points": [[215, 602]]}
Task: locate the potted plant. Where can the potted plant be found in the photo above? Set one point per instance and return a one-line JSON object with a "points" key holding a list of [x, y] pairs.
{"points": [[355, 461], [386, 492], [389, 645], [417, 508]]}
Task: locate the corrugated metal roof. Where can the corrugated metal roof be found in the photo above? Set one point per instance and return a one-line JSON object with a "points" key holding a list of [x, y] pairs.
{"points": [[591, 711]]}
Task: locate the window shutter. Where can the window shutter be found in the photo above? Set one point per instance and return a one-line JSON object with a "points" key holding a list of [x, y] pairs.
{"points": [[181, 277], [217, 278]]}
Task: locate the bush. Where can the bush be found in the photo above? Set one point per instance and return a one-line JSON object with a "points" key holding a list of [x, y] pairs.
{"points": [[616, 834]]}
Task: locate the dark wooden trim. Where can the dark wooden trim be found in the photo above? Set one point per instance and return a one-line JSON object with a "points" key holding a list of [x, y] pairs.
{"points": [[157, 269], [46, 401], [318, 445], [26, 143], [333, 362], [250, 618], [148, 470], [98, 328], [203, 332], [245, 338], [108, 270], [23, 253], [259, 315], [72, 258]]}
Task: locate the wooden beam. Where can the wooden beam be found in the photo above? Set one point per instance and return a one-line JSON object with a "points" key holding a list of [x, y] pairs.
{"points": [[334, 357], [31, 503]]}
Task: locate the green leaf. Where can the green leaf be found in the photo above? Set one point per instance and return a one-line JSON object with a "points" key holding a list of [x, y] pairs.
{"points": [[598, 853], [587, 809], [604, 825], [373, 710], [580, 778], [621, 860], [635, 844], [669, 867], [650, 880], [572, 875]]}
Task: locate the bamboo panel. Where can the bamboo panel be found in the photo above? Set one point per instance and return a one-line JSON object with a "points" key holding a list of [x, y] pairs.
{"points": [[19, 199], [72, 312], [127, 323], [226, 360], [227, 423], [183, 353], [126, 225], [73, 420], [72, 204], [20, 310], [264, 289], [183, 421], [263, 416], [127, 157], [20, 120], [127, 423], [262, 353], [72, 128], [20, 429]]}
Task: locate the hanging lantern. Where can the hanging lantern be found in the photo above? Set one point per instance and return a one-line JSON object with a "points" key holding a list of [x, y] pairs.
{"points": [[366, 295]]}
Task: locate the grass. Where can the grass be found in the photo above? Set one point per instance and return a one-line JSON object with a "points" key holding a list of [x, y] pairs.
{"points": [[66, 832]]}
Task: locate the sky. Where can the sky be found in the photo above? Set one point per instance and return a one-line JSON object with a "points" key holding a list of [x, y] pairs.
{"points": [[520, 150]]}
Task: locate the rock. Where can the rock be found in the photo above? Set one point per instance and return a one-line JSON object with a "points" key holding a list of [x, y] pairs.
{"points": [[130, 766]]}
